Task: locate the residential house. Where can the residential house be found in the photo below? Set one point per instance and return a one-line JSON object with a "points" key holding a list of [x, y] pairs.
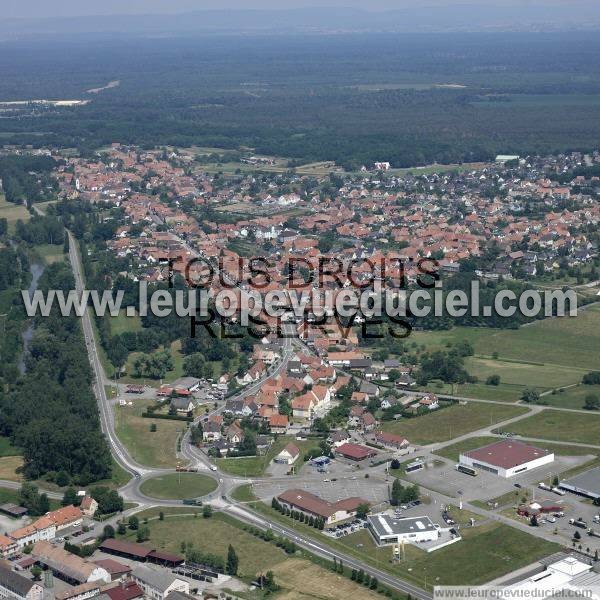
{"points": [[182, 405], [368, 421], [41, 529], [211, 431], [391, 440], [303, 406], [88, 506], [430, 401], [16, 587], [278, 423], [337, 438], [289, 455], [235, 434], [8, 547]]}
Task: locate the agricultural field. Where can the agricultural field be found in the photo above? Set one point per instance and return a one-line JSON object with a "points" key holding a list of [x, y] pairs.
{"points": [[9, 466], [50, 253], [178, 486], [560, 426], [521, 375], [151, 448], [451, 422], [566, 341]]}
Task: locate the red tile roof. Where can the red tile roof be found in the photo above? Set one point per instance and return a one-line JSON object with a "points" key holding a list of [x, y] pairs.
{"points": [[355, 451], [507, 454]]}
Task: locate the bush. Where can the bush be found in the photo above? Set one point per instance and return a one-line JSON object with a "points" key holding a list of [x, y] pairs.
{"points": [[493, 380]]}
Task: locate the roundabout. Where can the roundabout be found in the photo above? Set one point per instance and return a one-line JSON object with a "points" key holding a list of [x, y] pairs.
{"points": [[178, 486]]}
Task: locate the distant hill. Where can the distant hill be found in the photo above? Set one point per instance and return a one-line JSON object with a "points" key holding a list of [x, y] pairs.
{"points": [[485, 16]]}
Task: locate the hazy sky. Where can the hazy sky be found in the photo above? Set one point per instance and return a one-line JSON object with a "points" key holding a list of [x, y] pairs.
{"points": [[65, 8]]}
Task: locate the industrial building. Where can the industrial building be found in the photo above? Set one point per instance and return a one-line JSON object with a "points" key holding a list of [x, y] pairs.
{"points": [[506, 458], [390, 530], [563, 578], [585, 484]]}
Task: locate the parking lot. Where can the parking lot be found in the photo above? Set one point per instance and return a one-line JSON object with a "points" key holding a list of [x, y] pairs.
{"points": [[440, 475], [373, 489]]}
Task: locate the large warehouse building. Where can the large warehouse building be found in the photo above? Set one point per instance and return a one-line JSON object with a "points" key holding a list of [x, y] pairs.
{"points": [[506, 458], [585, 484]]}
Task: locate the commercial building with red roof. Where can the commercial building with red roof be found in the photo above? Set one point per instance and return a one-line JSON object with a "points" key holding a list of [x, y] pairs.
{"points": [[310, 504], [355, 451], [506, 458]]}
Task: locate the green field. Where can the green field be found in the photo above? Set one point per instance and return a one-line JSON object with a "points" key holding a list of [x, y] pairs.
{"points": [[50, 253], [566, 341], [516, 376], [122, 323], [8, 495], [177, 486], [12, 212], [154, 449], [7, 449], [560, 426], [573, 397], [448, 423], [243, 493]]}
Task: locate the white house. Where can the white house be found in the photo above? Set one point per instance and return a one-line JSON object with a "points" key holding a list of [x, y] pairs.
{"points": [[289, 455]]}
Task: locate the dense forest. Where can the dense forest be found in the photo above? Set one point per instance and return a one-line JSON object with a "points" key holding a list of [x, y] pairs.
{"points": [[409, 99], [50, 412], [14, 276], [27, 178]]}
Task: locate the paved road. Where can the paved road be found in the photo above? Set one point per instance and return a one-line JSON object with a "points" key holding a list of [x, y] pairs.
{"points": [[106, 413]]}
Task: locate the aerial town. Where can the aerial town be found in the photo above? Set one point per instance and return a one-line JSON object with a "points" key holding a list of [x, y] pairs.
{"points": [[299, 300], [308, 429]]}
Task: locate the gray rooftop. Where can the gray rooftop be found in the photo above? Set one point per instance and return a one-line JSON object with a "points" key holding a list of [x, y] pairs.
{"points": [[385, 525], [158, 580], [15, 583], [586, 482]]}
